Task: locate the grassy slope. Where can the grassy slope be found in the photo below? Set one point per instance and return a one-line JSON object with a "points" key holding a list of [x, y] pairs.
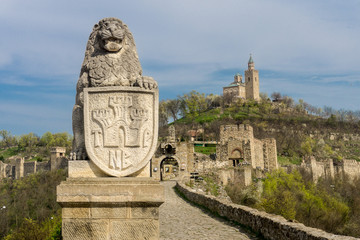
{"points": [[265, 116]]}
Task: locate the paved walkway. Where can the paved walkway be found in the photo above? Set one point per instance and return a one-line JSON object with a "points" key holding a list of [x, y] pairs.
{"points": [[180, 220]]}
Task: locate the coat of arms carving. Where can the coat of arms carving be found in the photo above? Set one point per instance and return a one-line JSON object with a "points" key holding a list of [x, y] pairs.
{"points": [[120, 128], [115, 115]]}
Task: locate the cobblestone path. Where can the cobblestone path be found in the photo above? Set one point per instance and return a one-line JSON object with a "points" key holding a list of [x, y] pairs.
{"points": [[180, 220]]}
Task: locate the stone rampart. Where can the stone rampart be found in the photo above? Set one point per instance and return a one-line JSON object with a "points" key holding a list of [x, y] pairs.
{"points": [[259, 154], [22, 168], [270, 154], [43, 166], [327, 169], [270, 226], [29, 168], [237, 144], [2, 169], [351, 167]]}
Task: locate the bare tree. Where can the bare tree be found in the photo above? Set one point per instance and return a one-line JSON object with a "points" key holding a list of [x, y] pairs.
{"points": [[276, 96]]}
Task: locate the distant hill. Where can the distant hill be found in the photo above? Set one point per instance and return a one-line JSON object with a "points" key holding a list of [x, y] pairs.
{"points": [[298, 132]]}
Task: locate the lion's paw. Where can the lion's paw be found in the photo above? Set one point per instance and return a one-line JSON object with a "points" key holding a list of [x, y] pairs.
{"points": [[147, 82]]}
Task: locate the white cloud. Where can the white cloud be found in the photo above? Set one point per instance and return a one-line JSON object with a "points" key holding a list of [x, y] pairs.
{"points": [[13, 80], [190, 39]]}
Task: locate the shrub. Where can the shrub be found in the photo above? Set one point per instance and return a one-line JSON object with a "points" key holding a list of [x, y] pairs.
{"points": [[290, 196]]}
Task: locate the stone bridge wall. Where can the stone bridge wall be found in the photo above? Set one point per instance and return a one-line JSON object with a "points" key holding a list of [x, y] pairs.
{"points": [[269, 225]]}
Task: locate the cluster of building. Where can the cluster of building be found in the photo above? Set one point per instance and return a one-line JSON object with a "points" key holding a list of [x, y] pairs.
{"points": [[237, 147], [244, 89], [21, 168]]}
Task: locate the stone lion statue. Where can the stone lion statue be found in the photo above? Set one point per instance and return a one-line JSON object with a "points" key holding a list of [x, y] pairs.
{"points": [[110, 60]]}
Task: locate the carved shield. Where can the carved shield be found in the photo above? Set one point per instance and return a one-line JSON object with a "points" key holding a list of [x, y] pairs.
{"points": [[121, 128]]}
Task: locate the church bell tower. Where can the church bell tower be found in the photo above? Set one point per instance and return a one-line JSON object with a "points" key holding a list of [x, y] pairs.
{"points": [[252, 81]]}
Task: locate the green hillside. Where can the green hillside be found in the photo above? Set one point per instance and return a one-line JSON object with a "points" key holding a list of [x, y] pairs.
{"points": [[299, 128]]}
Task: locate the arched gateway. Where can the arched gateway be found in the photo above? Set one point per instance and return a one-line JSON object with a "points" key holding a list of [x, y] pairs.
{"points": [[169, 168]]}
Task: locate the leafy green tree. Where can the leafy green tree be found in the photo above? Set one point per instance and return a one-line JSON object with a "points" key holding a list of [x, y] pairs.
{"points": [[278, 194], [28, 142], [288, 195], [163, 114], [264, 96], [7, 140], [46, 139], [29, 230], [213, 101], [32, 197], [61, 140], [308, 146], [195, 103]]}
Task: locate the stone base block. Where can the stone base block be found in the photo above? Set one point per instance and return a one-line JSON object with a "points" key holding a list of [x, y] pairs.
{"points": [[110, 208], [83, 168]]}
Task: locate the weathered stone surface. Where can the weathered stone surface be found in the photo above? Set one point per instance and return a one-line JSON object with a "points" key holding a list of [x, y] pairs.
{"points": [[115, 125], [110, 208], [109, 190], [110, 60], [134, 229], [84, 169], [120, 128], [238, 146], [181, 220], [80, 229]]}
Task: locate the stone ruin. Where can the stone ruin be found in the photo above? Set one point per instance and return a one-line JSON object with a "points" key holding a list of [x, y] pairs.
{"points": [[238, 148], [172, 159], [109, 193], [20, 169], [328, 169]]}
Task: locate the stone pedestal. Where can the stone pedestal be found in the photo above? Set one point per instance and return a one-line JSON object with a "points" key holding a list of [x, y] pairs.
{"points": [[110, 208], [115, 125]]}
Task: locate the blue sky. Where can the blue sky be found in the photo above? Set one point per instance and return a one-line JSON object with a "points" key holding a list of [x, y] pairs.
{"points": [[303, 48]]}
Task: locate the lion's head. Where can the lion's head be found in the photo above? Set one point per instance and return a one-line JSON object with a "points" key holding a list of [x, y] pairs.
{"points": [[111, 34], [111, 58]]}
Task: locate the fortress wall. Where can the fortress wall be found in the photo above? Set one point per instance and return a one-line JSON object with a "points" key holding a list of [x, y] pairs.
{"points": [[221, 152], [236, 131], [29, 168], [329, 169], [270, 154], [226, 175], [2, 170], [61, 163], [351, 167], [185, 153], [259, 154], [203, 162], [19, 168], [271, 226], [43, 166]]}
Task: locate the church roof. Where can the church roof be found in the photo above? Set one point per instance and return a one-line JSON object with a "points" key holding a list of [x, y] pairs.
{"points": [[251, 59], [234, 84]]}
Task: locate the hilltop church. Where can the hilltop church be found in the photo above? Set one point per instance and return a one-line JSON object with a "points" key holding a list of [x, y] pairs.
{"points": [[244, 90]]}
